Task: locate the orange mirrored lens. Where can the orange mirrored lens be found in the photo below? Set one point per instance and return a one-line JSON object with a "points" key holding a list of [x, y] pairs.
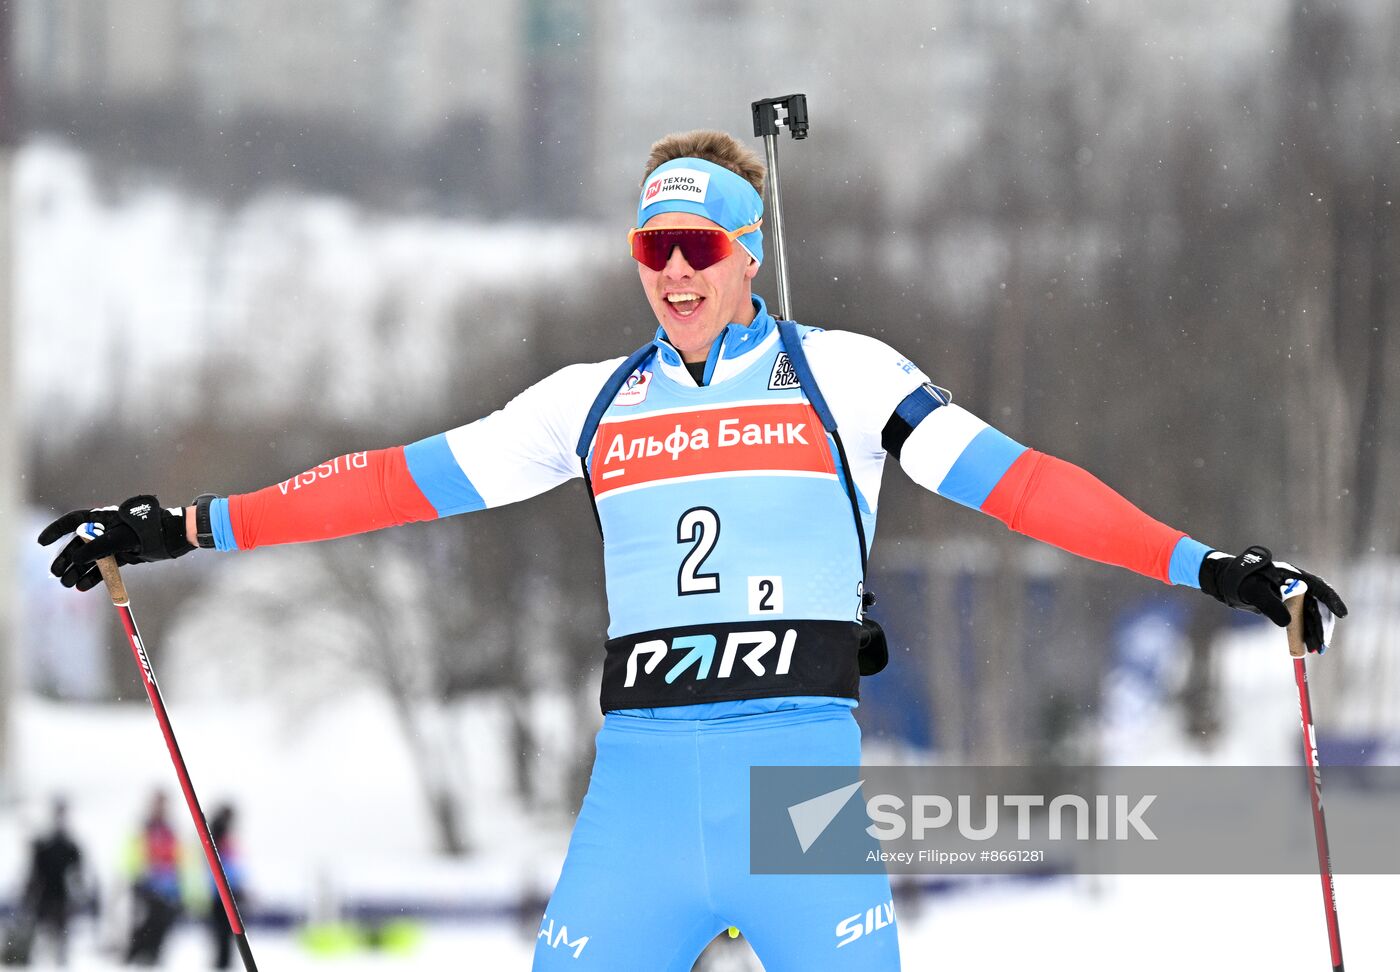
{"points": [[700, 247]]}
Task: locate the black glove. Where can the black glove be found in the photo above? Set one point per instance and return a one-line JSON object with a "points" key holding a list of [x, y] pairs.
{"points": [[136, 531], [1253, 580]]}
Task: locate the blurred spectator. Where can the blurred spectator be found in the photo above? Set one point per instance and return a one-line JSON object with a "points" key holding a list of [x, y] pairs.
{"points": [[50, 891], [221, 829], [154, 866], [534, 900], [908, 897]]}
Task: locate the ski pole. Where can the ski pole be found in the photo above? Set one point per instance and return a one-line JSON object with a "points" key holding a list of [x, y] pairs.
{"points": [[770, 114], [117, 590], [1293, 595]]}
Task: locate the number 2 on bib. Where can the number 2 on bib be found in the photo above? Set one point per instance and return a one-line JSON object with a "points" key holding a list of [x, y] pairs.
{"points": [[698, 525]]}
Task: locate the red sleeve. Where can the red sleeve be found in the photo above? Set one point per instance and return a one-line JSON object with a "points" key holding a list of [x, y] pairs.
{"points": [[1059, 503], [354, 493]]}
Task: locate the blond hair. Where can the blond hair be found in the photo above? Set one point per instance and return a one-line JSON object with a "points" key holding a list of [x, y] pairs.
{"points": [[721, 148]]}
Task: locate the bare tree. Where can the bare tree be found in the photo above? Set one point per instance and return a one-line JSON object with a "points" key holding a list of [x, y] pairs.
{"points": [[387, 610]]}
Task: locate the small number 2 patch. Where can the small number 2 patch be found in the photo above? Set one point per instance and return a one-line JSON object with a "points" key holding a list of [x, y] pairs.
{"points": [[765, 595]]}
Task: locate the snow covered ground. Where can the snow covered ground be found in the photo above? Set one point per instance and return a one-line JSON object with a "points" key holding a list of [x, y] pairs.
{"points": [[1148, 924], [319, 827], [331, 814]]}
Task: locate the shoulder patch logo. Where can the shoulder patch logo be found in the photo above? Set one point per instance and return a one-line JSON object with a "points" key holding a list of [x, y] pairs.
{"points": [[784, 376], [634, 391]]}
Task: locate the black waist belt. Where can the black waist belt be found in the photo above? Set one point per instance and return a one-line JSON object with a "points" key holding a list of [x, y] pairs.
{"points": [[724, 662]]}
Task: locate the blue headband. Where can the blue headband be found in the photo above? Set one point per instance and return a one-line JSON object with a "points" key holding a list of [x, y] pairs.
{"points": [[704, 189]]}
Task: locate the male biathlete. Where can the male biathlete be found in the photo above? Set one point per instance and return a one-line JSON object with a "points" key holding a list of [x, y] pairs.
{"points": [[734, 465]]}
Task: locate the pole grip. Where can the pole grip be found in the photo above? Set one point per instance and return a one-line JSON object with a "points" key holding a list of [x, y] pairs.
{"points": [[1296, 646], [116, 587]]}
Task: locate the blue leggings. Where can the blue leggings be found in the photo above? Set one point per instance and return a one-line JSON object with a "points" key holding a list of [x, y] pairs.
{"points": [[659, 860]]}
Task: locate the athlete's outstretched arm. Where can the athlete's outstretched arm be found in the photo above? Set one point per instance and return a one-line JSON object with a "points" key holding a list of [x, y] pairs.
{"points": [[885, 405], [517, 452], [952, 452], [947, 449], [520, 451]]}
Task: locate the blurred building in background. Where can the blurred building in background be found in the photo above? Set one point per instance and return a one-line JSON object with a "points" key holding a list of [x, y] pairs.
{"points": [[357, 96]]}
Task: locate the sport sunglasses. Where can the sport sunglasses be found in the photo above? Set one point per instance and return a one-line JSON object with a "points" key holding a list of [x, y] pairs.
{"points": [[701, 246]]}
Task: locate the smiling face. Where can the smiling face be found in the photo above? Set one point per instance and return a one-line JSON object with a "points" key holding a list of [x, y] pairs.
{"points": [[693, 306]]}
